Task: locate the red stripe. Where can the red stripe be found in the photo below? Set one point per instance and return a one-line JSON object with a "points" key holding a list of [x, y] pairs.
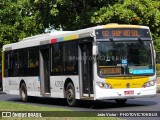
{"points": [[53, 40]]}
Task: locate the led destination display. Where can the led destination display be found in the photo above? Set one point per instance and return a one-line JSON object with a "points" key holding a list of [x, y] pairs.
{"points": [[122, 33]]}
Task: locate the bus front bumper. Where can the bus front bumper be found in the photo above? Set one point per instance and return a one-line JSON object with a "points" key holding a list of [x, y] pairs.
{"points": [[128, 93]]}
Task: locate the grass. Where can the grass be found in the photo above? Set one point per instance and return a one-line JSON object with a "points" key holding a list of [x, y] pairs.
{"points": [[10, 106]]}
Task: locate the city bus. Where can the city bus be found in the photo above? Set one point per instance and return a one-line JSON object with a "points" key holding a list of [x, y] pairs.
{"points": [[105, 62]]}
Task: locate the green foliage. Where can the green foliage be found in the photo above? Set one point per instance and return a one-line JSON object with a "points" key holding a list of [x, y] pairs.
{"points": [[74, 14], [158, 69], [157, 48], [141, 12], [23, 18]]}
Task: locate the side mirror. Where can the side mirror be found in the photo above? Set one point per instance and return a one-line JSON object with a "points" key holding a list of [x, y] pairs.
{"points": [[95, 50]]}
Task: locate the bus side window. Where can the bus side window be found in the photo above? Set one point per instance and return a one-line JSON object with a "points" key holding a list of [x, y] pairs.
{"points": [[13, 64], [70, 57], [13, 60], [23, 58], [56, 59], [31, 64], [6, 63], [36, 63], [33, 58]]}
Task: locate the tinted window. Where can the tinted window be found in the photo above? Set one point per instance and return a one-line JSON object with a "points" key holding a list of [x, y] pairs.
{"points": [[6, 63], [70, 59], [33, 58], [13, 64], [123, 58], [13, 60], [57, 66], [6, 60], [33, 62], [23, 58]]}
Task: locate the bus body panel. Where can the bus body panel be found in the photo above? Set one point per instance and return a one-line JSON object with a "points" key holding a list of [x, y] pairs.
{"points": [[57, 85], [11, 85], [119, 92], [102, 93], [121, 82]]}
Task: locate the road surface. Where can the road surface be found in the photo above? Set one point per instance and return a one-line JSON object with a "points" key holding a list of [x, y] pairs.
{"points": [[139, 104]]}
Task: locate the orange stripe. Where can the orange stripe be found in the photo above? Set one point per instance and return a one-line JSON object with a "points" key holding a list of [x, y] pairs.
{"points": [[121, 26]]}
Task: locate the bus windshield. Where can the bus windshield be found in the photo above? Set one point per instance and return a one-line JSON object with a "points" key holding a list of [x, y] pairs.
{"points": [[125, 58]]}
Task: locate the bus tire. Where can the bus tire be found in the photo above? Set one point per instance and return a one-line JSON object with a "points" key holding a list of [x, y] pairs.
{"points": [[70, 94], [23, 92], [121, 101]]}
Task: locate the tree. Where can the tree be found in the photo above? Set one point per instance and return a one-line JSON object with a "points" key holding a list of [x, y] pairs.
{"points": [[23, 18], [8, 22], [140, 12], [76, 14]]}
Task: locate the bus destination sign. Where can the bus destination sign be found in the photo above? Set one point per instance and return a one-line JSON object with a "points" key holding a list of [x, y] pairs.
{"points": [[122, 33]]}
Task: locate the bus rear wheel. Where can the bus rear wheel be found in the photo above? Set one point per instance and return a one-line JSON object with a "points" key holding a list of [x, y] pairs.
{"points": [[70, 94], [121, 101], [23, 92]]}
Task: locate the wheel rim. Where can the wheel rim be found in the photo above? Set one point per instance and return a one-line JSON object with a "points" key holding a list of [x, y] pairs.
{"points": [[23, 94], [70, 95]]}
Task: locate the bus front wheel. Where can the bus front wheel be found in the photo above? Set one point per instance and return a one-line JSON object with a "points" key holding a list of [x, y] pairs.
{"points": [[70, 94], [23, 92], [121, 101]]}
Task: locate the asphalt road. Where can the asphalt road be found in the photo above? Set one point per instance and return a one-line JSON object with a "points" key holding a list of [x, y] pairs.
{"points": [[138, 104]]}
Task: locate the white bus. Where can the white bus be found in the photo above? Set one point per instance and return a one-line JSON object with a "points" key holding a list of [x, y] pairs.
{"points": [[110, 61]]}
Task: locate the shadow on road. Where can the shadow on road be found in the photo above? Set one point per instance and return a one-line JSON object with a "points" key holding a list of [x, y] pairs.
{"points": [[1, 92], [92, 105]]}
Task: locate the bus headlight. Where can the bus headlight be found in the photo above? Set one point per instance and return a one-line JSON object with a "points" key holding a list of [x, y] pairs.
{"points": [[149, 84], [104, 85]]}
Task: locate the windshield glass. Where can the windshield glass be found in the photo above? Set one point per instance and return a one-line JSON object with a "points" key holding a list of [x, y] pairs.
{"points": [[121, 58]]}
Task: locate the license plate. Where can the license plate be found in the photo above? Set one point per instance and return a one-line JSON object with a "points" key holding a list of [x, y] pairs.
{"points": [[131, 92]]}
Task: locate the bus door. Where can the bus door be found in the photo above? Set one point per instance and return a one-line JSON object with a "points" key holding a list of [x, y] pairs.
{"points": [[86, 68], [44, 71]]}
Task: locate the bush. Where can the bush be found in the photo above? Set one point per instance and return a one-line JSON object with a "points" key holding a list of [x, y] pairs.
{"points": [[158, 69], [158, 73]]}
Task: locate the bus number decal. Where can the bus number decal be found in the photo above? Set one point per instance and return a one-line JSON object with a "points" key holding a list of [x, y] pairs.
{"points": [[59, 83]]}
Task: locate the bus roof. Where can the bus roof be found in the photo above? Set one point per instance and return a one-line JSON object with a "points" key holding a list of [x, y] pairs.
{"points": [[59, 36]]}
